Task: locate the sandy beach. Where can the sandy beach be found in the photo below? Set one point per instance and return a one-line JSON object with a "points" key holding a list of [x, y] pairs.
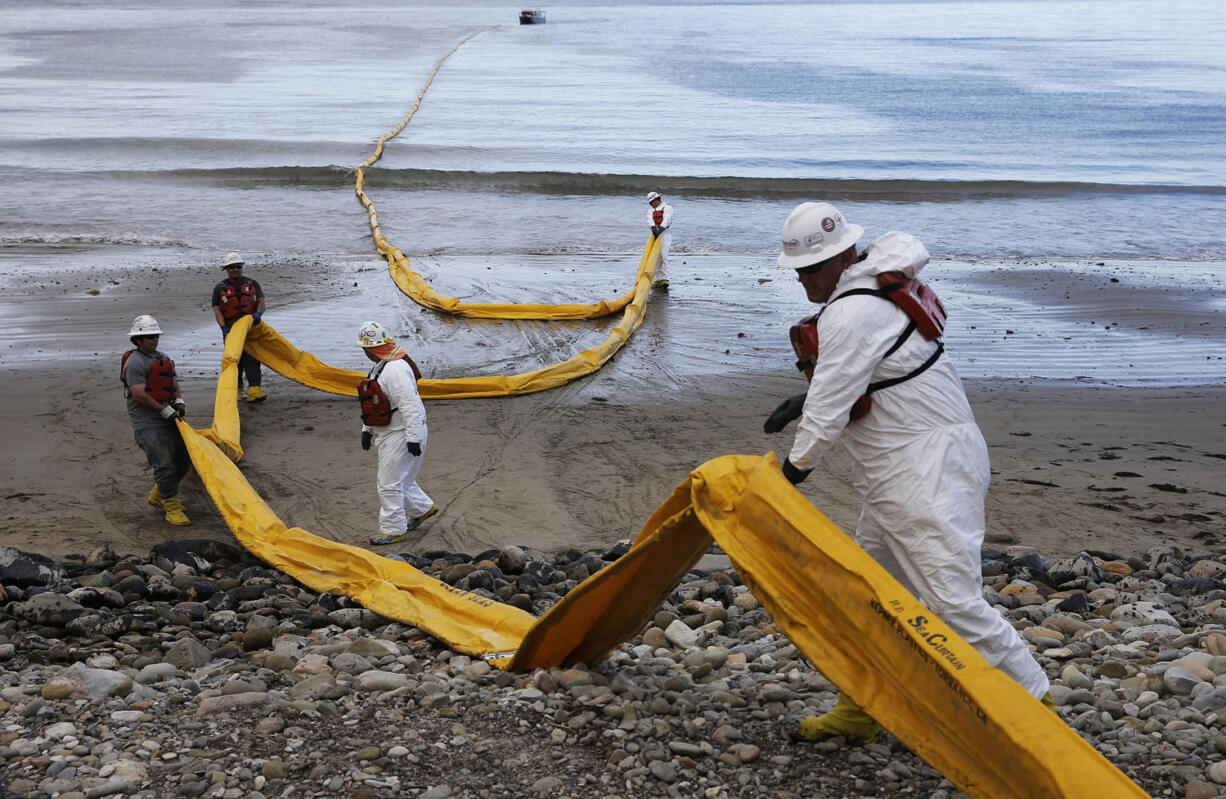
{"points": [[1076, 464]]}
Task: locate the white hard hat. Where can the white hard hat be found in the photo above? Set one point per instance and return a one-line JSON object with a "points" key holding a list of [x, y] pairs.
{"points": [[144, 325], [372, 334], [232, 259], [652, 196], [815, 232]]}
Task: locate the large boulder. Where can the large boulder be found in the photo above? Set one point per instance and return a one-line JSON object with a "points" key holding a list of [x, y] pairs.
{"points": [[25, 569], [48, 609]]}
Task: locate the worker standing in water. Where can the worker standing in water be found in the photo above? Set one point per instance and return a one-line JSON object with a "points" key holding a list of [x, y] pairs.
{"points": [[154, 402], [394, 420], [660, 218], [891, 397]]}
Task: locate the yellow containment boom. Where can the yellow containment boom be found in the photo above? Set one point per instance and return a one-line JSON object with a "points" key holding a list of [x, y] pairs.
{"points": [[412, 283], [225, 430], [854, 621], [850, 618], [467, 622], [274, 351]]}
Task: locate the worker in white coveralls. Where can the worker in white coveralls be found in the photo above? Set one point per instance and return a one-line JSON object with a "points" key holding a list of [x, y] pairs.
{"points": [[919, 461], [660, 218], [394, 419]]}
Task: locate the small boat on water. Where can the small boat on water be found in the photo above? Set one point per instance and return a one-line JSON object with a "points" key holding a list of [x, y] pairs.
{"points": [[532, 16]]}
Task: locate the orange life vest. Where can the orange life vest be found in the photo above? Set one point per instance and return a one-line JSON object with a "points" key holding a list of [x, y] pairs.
{"points": [[237, 300], [657, 215], [161, 383], [377, 409], [924, 310]]}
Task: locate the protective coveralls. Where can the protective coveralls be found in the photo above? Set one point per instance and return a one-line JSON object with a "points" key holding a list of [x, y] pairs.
{"points": [[398, 468], [920, 463], [661, 217]]}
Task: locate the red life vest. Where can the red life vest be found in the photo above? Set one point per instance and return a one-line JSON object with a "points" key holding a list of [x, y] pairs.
{"points": [[657, 215], [917, 300], [237, 300], [161, 383], [377, 409]]}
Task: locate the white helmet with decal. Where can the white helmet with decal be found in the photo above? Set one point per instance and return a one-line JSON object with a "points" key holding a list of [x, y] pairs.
{"points": [[372, 334], [815, 232]]}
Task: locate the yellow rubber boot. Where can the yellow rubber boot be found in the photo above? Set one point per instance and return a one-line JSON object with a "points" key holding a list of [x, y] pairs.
{"points": [[155, 499], [846, 720], [255, 394], [174, 511]]}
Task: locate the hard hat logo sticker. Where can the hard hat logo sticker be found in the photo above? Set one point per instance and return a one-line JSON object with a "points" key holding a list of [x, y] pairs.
{"points": [[827, 225], [791, 243], [814, 238]]}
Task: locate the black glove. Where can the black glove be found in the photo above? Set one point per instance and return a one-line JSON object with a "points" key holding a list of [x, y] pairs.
{"points": [[788, 410], [793, 474], [170, 412], [255, 318], [225, 330], [415, 448], [366, 437], [180, 407], [655, 231]]}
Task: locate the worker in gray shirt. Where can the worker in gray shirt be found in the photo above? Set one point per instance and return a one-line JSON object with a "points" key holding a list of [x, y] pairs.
{"points": [[154, 408]]}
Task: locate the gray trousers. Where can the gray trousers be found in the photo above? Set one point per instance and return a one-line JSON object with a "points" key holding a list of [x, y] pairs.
{"points": [[164, 448]]}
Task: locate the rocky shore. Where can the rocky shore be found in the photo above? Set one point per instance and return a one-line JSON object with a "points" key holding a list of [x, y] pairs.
{"points": [[195, 671]]}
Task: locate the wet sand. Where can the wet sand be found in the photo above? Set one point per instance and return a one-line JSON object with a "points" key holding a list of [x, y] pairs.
{"points": [[1077, 463]]}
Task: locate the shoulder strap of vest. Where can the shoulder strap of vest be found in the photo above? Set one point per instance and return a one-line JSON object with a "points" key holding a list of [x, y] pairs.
{"points": [[919, 370], [854, 292], [378, 370], [885, 295], [906, 334]]}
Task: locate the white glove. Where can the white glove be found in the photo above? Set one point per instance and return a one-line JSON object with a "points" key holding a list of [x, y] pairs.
{"points": [[170, 412]]}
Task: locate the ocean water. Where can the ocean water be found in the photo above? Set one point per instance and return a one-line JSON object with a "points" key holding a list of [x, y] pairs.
{"points": [[1090, 128], [1007, 129]]}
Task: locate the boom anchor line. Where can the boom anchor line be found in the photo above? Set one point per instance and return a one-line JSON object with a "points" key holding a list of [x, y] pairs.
{"points": [[845, 613]]}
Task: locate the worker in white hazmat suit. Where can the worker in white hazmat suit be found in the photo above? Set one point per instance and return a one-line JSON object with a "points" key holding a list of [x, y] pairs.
{"points": [[660, 219], [919, 461], [394, 419]]}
